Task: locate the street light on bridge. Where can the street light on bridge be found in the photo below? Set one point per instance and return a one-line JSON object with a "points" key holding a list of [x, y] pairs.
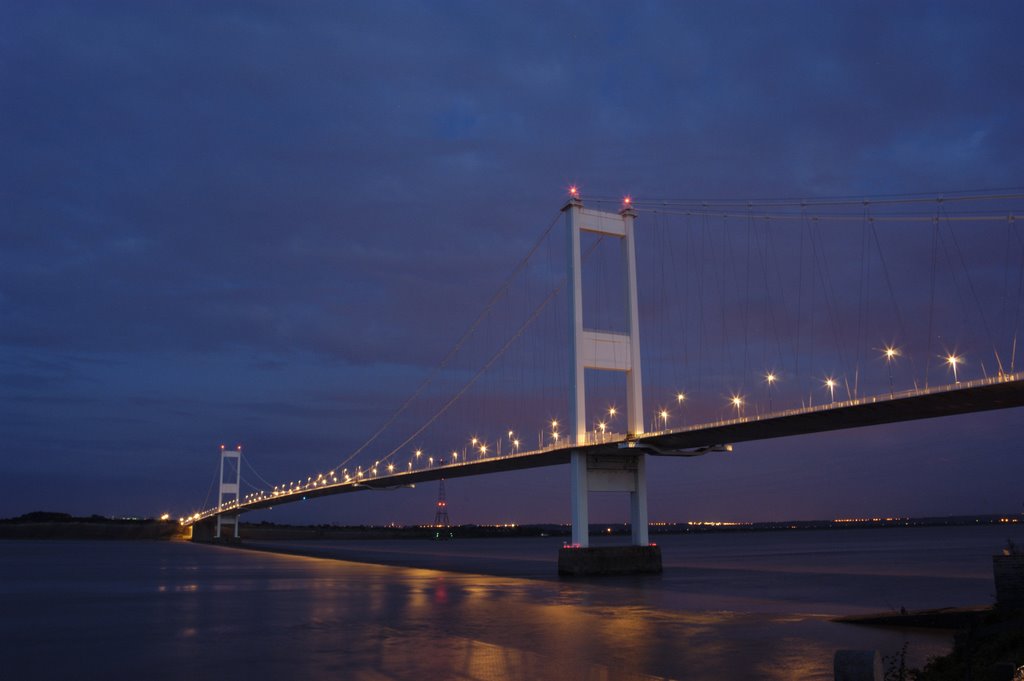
{"points": [[663, 415], [612, 411], [737, 401], [952, 360], [830, 383], [891, 353], [770, 379]]}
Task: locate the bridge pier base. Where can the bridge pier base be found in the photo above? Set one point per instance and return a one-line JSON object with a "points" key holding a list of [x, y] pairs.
{"points": [[206, 532], [583, 561]]}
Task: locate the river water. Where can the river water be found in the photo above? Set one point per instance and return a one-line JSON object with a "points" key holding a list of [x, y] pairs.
{"points": [[729, 606]]}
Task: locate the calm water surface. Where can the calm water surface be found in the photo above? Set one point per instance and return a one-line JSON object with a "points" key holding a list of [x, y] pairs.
{"points": [[729, 606]]}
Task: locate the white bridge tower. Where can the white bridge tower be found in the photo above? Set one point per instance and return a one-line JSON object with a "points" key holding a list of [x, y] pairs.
{"points": [[230, 489], [606, 351]]}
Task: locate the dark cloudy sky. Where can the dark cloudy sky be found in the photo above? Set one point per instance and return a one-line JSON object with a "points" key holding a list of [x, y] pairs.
{"points": [[266, 222]]}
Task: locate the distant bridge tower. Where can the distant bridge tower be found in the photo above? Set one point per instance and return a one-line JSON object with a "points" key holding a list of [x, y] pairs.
{"points": [[606, 351], [230, 488]]}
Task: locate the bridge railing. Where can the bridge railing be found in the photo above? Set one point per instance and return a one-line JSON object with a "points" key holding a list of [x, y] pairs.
{"points": [[851, 402]]}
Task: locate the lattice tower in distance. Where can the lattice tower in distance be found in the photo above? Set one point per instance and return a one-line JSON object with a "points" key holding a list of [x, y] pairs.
{"points": [[441, 514]]}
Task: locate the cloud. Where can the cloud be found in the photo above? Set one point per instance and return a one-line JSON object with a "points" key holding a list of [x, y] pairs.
{"points": [[260, 196]]}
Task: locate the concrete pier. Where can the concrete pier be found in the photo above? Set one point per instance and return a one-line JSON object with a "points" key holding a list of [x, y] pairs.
{"points": [[205, 531], [1009, 577], [580, 561]]}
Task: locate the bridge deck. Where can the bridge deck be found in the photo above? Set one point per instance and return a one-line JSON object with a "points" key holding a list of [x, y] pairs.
{"points": [[947, 400], [963, 398]]}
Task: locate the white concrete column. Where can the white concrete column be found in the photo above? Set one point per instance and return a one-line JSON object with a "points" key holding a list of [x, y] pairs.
{"points": [[634, 378], [579, 481], [577, 426], [638, 504]]}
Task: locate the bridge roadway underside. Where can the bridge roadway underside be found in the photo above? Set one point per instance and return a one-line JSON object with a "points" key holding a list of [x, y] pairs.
{"points": [[870, 411]]}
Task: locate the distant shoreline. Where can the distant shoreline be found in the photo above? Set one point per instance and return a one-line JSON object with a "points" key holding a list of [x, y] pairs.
{"points": [[271, 531], [48, 525]]}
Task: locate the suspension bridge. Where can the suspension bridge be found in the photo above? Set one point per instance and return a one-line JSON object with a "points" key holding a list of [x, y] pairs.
{"points": [[761, 319]]}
